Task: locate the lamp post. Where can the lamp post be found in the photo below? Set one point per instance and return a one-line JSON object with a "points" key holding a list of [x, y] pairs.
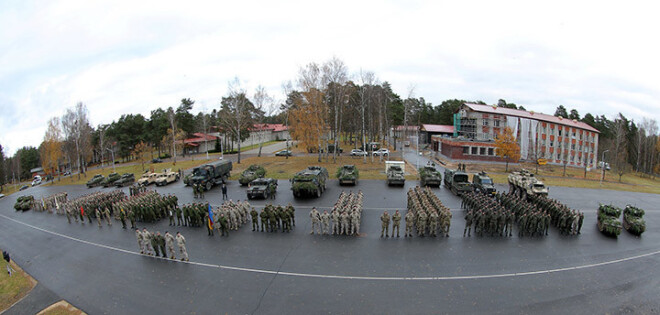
{"points": [[113, 158], [602, 160]]}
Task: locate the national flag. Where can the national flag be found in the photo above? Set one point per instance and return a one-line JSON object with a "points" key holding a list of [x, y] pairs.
{"points": [[82, 211], [210, 218]]}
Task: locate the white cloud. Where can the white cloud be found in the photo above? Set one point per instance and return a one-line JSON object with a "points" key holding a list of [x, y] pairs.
{"points": [[132, 57]]}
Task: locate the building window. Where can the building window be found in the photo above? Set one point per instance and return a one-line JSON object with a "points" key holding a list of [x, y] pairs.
{"points": [[496, 123], [474, 150], [482, 151], [572, 146], [551, 144], [466, 150], [485, 122], [572, 158], [559, 132], [573, 134], [491, 152]]}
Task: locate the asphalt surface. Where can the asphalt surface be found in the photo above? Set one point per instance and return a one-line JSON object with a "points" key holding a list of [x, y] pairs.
{"points": [[99, 270]]}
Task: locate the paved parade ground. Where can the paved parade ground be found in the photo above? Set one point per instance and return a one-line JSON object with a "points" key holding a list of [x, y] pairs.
{"points": [[99, 270]]}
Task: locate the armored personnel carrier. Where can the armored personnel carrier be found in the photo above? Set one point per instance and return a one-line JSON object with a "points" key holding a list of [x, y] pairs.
{"points": [[457, 181], [97, 180], [310, 181], [126, 179], [429, 176], [348, 174], [524, 184], [251, 173], [395, 173], [111, 179], [608, 220], [633, 221], [24, 203], [262, 187]]}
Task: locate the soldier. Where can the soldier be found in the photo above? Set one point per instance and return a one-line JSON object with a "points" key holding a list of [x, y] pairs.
{"points": [[155, 244], [98, 216], [131, 217], [178, 215], [273, 190], [146, 237], [580, 221], [396, 220], [122, 218], [160, 241], [68, 215], [285, 220], [325, 221], [410, 218], [335, 222], [433, 223], [344, 219], [169, 240], [140, 240], [170, 214], [106, 213], [385, 224], [224, 225], [468, 223], [355, 223], [201, 191], [255, 219], [209, 225], [292, 213], [181, 242], [316, 219], [264, 219], [224, 191], [421, 223]]}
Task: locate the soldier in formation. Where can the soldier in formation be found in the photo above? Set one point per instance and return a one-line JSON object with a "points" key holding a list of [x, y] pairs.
{"points": [[274, 218], [569, 222], [427, 213], [385, 224], [229, 216], [198, 190], [147, 206], [54, 201], [530, 219], [136, 189], [181, 242], [87, 205], [316, 220], [346, 215]]}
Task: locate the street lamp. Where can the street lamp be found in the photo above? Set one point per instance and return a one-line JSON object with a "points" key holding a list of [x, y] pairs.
{"points": [[113, 158], [602, 160]]}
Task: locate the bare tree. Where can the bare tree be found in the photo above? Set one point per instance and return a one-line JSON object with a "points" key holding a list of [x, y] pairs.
{"points": [[367, 79], [264, 105], [335, 75], [171, 115], [77, 131], [237, 113], [619, 146]]}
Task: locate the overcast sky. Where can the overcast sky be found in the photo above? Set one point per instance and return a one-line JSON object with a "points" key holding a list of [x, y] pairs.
{"points": [[132, 57]]}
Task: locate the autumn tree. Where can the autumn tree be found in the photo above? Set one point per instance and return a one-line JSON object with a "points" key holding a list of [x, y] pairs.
{"points": [[139, 150], [309, 117], [507, 147], [51, 150]]}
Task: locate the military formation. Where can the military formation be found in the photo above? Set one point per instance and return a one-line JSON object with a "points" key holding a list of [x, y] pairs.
{"points": [[86, 206], [568, 221], [529, 218], [136, 189], [147, 206], [230, 216], [345, 217], [274, 218], [155, 244], [198, 190], [54, 201], [425, 213]]}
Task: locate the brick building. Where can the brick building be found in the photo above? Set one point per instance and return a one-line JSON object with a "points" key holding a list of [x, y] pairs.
{"points": [[555, 139]]}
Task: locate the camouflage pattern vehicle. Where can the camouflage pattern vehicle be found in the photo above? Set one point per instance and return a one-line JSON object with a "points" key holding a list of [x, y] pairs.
{"points": [[97, 180], [251, 173], [608, 220], [482, 183], [457, 181], [147, 179], [24, 203], [348, 174], [261, 187], [126, 179], [311, 181], [395, 175], [111, 179], [524, 185], [187, 180], [211, 174], [166, 177], [633, 221], [429, 176]]}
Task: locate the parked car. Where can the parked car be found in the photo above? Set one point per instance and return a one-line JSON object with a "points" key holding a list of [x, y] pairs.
{"points": [[358, 152], [283, 153], [380, 152], [67, 173], [24, 187], [157, 160], [36, 181], [2, 196]]}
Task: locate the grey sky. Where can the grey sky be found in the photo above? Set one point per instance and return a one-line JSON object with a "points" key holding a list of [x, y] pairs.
{"points": [[132, 57]]}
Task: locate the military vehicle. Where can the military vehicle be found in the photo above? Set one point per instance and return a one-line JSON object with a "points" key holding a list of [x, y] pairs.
{"points": [[147, 179], [187, 180], [348, 174], [310, 181], [608, 220], [111, 179], [126, 179], [97, 180], [524, 184], [251, 173], [633, 221], [482, 183], [429, 176], [395, 173], [457, 181], [24, 203], [166, 177], [211, 174], [261, 187]]}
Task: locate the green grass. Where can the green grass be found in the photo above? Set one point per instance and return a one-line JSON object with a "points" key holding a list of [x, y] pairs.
{"points": [[61, 308], [13, 288]]}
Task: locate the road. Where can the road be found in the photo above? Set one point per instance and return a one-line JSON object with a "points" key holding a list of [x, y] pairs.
{"points": [[98, 269]]}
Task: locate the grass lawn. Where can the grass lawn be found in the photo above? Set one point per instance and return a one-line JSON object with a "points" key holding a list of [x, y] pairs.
{"points": [[281, 168], [61, 308], [14, 288], [553, 175]]}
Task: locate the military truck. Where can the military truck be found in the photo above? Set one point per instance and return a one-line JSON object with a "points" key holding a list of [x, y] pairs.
{"points": [[348, 174], [457, 181], [251, 173], [429, 176], [166, 177], [187, 180], [147, 179], [97, 180], [608, 220], [111, 179], [261, 187], [395, 173], [482, 183], [633, 221], [126, 179], [310, 181], [524, 184], [211, 174]]}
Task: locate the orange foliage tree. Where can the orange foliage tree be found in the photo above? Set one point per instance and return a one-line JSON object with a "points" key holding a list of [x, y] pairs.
{"points": [[51, 149], [309, 115], [507, 147]]}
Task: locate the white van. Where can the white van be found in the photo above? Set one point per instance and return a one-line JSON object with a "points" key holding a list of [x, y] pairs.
{"points": [[36, 180]]}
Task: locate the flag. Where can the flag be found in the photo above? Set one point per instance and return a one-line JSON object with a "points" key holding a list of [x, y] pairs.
{"points": [[210, 218], [82, 212]]}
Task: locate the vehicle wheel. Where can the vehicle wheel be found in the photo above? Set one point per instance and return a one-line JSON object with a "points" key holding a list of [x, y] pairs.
{"points": [[208, 186], [524, 195], [318, 193], [510, 188], [249, 197]]}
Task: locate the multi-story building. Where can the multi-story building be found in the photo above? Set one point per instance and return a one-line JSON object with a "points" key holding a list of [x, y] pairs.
{"points": [[540, 136]]}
